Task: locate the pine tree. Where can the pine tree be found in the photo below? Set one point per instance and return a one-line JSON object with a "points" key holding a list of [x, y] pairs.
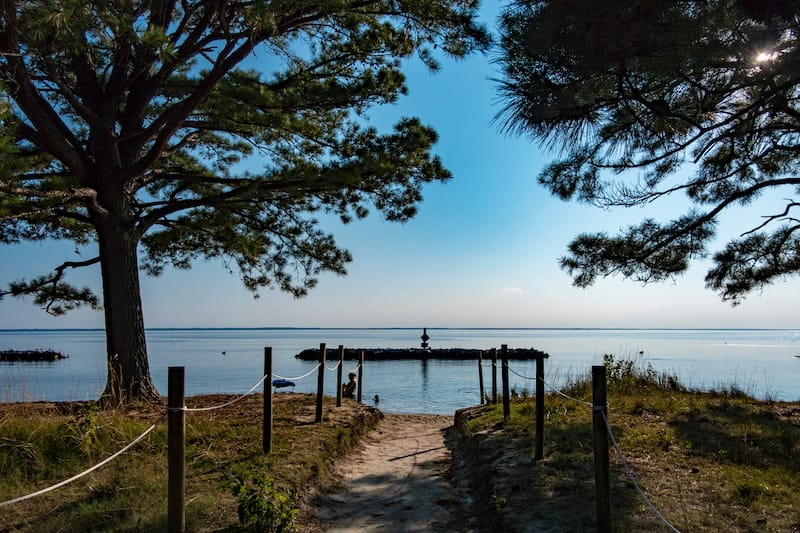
{"points": [[650, 99], [159, 132]]}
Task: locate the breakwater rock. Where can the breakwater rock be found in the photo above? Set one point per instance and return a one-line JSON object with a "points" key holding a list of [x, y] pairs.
{"points": [[383, 354], [32, 356]]}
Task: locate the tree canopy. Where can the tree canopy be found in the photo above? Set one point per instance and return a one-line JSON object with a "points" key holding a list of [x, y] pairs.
{"points": [[649, 99], [133, 127]]}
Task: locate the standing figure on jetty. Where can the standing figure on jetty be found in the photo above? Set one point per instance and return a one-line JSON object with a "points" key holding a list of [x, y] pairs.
{"points": [[349, 388]]}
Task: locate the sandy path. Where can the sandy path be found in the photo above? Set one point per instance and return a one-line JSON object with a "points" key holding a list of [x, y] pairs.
{"points": [[400, 481]]}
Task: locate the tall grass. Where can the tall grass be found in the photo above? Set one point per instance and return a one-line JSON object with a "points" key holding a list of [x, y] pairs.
{"points": [[41, 444], [712, 460]]}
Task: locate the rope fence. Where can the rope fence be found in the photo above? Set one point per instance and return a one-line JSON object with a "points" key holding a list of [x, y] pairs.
{"points": [[298, 378], [633, 479], [628, 471], [560, 393], [226, 404], [85, 472], [178, 409], [129, 446], [168, 410], [598, 407], [520, 375]]}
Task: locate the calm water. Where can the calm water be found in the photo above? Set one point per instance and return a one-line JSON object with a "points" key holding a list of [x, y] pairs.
{"points": [[760, 362]]}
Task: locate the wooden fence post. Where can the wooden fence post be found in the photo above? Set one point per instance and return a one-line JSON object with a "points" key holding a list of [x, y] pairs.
{"points": [[600, 438], [506, 395], [320, 382], [359, 385], [266, 438], [176, 452], [339, 373], [494, 375], [480, 374], [539, 407]]}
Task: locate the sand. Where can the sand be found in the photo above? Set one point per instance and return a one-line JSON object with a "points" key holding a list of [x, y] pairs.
{"points": [[401, 480]]}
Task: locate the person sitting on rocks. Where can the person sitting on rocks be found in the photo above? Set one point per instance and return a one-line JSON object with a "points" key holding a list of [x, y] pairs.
{"points": [[349, 388]]}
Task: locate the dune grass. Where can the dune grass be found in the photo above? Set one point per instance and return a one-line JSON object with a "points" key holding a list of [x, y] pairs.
{"points": [[706, 460], [41, 444]]}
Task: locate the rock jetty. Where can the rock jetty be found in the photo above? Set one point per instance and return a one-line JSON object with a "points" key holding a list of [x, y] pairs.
{"points": [[31, 356], [383, 354]]}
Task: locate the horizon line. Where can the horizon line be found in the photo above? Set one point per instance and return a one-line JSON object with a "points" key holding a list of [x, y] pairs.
{"points": [[436, 328]]}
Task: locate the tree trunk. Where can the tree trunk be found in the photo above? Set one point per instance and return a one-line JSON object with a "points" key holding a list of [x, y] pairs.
{"points": [[128, 368]]}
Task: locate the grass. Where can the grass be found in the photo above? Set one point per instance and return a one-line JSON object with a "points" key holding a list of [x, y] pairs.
{"points": [[707, 461], [41, 444]]}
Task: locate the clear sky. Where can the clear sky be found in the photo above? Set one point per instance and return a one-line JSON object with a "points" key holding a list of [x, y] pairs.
{"points": [[482, 252]]}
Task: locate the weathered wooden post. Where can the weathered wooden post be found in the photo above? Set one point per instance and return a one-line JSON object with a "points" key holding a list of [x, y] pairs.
{"points": [[539, 406], [360, 374], [339, 372], [176, 452], [266, 438], [320, 382], [506, 395], [480, 374], [600, 438], [494, 374]]}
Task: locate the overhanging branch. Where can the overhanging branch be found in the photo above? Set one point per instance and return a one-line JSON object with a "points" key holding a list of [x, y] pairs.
{"points": [[52, 294]]}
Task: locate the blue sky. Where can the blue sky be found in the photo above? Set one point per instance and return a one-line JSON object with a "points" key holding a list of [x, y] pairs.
{"points": [[482, 252]]}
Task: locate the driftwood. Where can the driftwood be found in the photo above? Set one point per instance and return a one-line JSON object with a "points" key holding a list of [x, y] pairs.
{"points": [[382, 354], [31, 356]]}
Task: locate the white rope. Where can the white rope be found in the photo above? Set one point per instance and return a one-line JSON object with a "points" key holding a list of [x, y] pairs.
{"points": [[632, 477], [334, 367], [587, 404], [354, 370], [520, 375], [226, 404], [298, 378], [90, 470]]}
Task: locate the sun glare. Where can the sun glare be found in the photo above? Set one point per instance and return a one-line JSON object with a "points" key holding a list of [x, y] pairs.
{"points": [[763, 57]]}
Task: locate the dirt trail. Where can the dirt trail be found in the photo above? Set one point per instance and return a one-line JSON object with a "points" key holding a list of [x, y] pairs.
{"points": [[400, 480]]}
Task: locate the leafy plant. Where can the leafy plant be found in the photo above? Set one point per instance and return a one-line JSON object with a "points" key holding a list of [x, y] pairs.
{"points": [[630, 374], [264, 507], [82, 430]]}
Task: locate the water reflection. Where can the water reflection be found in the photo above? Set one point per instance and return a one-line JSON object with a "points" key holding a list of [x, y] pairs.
{"points": [[424, 382]]}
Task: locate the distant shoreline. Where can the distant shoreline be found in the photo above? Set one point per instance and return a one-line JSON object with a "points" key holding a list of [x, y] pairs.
{"points": [[401, 328], [30, 356]]}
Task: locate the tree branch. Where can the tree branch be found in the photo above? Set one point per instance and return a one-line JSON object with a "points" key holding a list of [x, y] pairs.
{"points": [[773, 218], [55, 297]]}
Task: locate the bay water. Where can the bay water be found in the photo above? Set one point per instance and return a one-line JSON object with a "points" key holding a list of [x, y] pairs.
{"points": [[762, 363]]}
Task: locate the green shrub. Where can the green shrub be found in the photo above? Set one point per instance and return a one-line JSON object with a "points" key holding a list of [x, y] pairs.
{"points": [[262, 506], [82, 430], [628, 375]]}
